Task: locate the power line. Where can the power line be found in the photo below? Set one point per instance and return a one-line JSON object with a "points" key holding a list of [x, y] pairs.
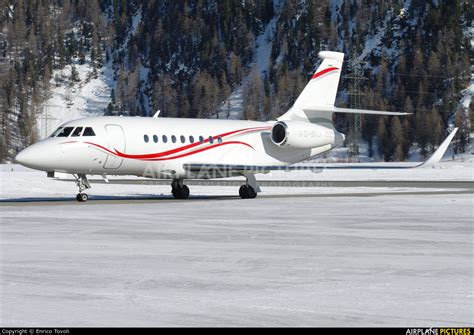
{"points": [[356, 76], [423, 75]]}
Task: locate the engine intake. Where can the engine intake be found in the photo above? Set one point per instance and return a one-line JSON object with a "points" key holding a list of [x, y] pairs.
{"points": [[302, 135], [279, 135]]}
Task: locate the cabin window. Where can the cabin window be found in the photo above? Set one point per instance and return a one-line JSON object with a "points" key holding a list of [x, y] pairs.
{"points": [[65, 132], [191, 139], [211, 139], [155, 138], [57, 131], [88, 131], [165, 139], [173, 139], [77, 132], [145, 138], [201, 139], [219, 139], [183, 139]]}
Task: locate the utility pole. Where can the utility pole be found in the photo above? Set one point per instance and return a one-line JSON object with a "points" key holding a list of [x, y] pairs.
{"points": [[356, 77], [46, 119], [355, 93]]}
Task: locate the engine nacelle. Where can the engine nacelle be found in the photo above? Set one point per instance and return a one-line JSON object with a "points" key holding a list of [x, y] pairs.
{"points": [[303, 135]]}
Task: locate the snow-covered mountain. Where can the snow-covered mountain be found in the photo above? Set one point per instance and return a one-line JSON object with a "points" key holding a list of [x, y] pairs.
{"points": [[236, 59]]}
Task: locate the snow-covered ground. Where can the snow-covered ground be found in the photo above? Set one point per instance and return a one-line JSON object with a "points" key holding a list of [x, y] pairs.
{"points": [[392, 260], [287, 258]]}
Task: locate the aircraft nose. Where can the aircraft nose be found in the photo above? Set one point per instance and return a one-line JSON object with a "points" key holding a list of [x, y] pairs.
{"points": [[34, 157], [24, 157]]}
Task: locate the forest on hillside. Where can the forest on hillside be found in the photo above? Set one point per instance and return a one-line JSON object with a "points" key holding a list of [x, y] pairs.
{"points": [[186, 57]]}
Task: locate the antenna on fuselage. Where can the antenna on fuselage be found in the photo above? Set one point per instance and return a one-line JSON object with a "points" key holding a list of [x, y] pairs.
{"points": [[157, 113]]}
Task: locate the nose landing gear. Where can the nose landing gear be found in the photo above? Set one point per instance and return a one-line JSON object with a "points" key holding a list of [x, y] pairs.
{"points": [[179, 190], [82, 197], [83, 184]]}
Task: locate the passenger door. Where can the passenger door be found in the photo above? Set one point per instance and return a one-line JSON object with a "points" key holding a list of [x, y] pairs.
{"points": [[116, 141]]}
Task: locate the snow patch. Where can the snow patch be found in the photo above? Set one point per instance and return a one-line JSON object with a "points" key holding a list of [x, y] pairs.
{"points": [[68, 101], [233, 106]]}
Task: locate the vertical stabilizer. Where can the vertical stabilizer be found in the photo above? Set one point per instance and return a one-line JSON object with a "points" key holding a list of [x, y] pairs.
{"points": [[320, 91]]}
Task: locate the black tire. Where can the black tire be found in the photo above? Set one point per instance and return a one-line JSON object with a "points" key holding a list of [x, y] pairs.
{"points": [[247, 192], [82, 197], [180, 192], [243, 192], [184, 192], [251, 194]]}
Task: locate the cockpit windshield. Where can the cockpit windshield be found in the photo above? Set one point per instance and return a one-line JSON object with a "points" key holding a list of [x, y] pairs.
{"points": [[77, 132], [57, 131], [68, 131], [65, 132], [88, 132]]}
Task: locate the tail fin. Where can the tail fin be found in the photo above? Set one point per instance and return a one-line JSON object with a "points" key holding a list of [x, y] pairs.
{"points": [[316, 103], [320, 91]]}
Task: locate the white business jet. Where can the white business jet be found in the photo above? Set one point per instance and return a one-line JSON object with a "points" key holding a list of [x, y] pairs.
{"points": [[179, 149]]}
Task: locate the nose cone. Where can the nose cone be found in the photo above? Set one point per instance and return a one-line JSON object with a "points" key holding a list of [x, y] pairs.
{"points": [[24, 157], [36, 157]]}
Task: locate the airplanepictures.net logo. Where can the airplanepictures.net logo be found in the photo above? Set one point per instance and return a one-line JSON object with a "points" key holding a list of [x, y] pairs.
{"points": [[438, 331]]}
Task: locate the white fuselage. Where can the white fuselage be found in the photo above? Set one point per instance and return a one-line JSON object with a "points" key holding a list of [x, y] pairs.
{"points": [[136, 146]]}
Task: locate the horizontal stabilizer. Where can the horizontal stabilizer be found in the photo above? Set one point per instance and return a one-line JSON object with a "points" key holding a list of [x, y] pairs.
{"points": [[333, 109]]}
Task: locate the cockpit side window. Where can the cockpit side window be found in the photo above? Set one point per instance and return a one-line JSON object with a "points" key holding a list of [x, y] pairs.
{"points": [[65, 132], [88, 131], [57, 131], [77, 132]]}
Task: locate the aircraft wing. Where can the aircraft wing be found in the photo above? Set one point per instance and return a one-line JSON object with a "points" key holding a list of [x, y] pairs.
{"points": [[244, 169]]}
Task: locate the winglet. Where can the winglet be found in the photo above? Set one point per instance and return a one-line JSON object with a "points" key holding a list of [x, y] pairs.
{"points": [[439, 153]]}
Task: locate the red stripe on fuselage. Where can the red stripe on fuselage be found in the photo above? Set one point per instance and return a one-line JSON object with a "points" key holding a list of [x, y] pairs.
{"points": [[199, 150], [189, 146], [320, 73], [160, 155], [172, 157]]}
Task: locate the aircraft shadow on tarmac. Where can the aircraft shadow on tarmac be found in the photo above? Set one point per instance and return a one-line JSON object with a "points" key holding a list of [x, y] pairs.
{"points": [[104, 198]]}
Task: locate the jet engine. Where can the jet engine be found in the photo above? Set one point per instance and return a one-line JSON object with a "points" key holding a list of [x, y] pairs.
{"points": [[303, 135]]}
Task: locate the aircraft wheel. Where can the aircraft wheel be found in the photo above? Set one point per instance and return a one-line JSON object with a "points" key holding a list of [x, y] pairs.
{"points": [[247, 192], [184, 192], [180, 192], [251, 192], [243, 191], [82, 197]]}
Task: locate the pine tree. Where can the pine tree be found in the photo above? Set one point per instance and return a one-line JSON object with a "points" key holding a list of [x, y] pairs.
{"points": [[397, 135], [463, 134], [74, 77], [422, 131], [384, 145]]}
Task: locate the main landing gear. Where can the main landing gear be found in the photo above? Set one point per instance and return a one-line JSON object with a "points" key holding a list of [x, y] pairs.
{"points": [[179, 190], [83, 184], [250, 189], [247, 192]]}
